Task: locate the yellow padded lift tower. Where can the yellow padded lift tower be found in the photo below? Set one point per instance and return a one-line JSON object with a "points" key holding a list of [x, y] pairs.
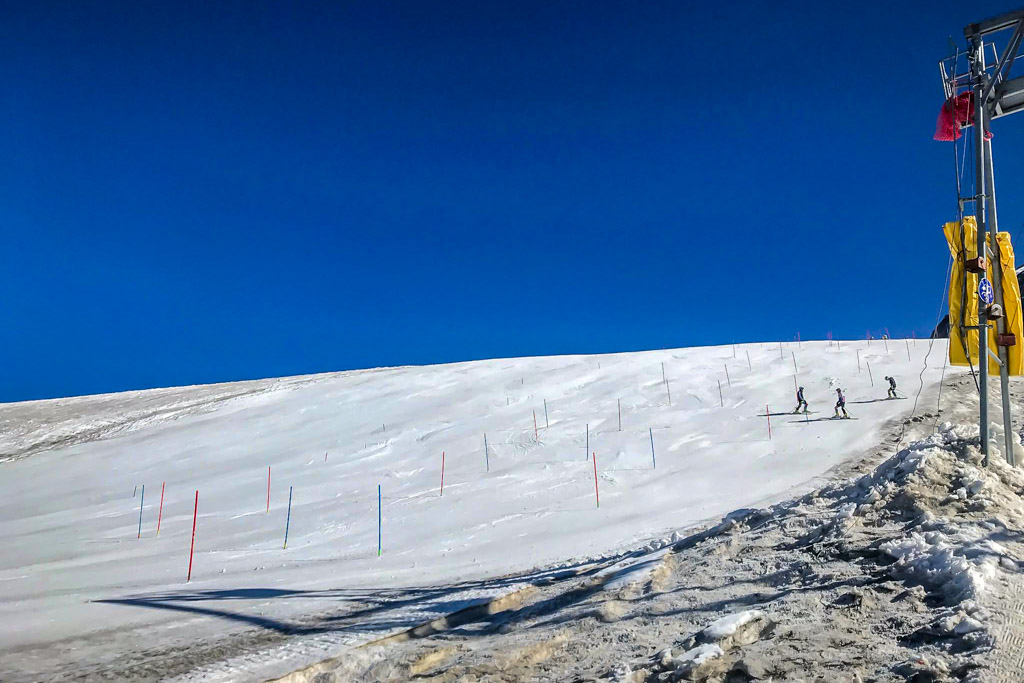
{"points": [[964, 300]]}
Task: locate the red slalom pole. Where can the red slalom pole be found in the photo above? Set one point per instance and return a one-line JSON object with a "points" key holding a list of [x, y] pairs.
{"points": [[768, 414], [161, 515], [442, 473], [268, 490], [597, 496], [195, 514]]}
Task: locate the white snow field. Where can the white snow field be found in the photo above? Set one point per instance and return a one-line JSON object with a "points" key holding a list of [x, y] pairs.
{"points": [[80, 594]]}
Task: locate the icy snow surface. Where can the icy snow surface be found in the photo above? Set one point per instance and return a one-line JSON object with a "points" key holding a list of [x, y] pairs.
{"points": [[69, 513]]}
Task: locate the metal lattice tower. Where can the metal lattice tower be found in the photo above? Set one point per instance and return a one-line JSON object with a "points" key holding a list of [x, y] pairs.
{"points": [[997, 93]]}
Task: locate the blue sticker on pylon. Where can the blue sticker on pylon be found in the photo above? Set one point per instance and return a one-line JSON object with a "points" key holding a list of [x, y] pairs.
{"points": [[985, 291]]}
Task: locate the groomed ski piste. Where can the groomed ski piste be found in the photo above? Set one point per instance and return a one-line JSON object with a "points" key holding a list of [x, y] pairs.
{"points": [[85, 592]]}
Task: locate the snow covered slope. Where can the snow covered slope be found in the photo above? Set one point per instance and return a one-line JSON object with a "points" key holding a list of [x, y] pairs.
{"points": [[69, 510]]}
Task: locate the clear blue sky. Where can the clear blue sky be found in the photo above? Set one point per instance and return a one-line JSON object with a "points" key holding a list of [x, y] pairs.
{"points": [[203, 192]]}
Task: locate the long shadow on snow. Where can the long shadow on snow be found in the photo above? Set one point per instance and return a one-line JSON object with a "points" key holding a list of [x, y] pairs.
{"points": [[372, 603], [879, 400]]}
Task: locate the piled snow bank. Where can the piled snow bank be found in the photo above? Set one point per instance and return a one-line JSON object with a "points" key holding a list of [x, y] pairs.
{"points": [[936, 559]]}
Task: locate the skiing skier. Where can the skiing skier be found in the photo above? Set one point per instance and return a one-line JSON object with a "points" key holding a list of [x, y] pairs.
{"points": [[800, 402], [841, 404], [892, 387]]}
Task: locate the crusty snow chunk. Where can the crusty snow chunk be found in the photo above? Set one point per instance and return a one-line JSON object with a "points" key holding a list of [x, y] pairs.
{"points": [[727, 626]]}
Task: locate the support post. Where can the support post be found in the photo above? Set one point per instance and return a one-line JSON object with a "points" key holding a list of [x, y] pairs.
{"points": [[997, 285], [977, 63]]}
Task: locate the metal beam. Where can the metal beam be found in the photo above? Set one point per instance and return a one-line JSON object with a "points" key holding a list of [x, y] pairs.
{"points": [[1009, 97], [983, 28], [1008, 56]]}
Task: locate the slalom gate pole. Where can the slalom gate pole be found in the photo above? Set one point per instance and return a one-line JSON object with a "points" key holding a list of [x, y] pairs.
{"points": [[749, 367], [160, 515], [192, 549], [268, 490], [780, 351], [721, 399], [597, 495], [858, 360], [487, 457], [380, 520], [535, 435], [795, 371], [141, 501], [654, 460], [668, 389], [869, 375], [325, 456], [288, 521], [547, 425], [727, 378], [442, 473], [907, 341], [663, 370], [768, 414], [619, 402]]}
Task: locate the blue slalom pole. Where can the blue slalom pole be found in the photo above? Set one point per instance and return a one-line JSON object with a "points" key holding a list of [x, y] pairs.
{"points": [[288, 522], [380, 517], [141, 501], [653, 459]]}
